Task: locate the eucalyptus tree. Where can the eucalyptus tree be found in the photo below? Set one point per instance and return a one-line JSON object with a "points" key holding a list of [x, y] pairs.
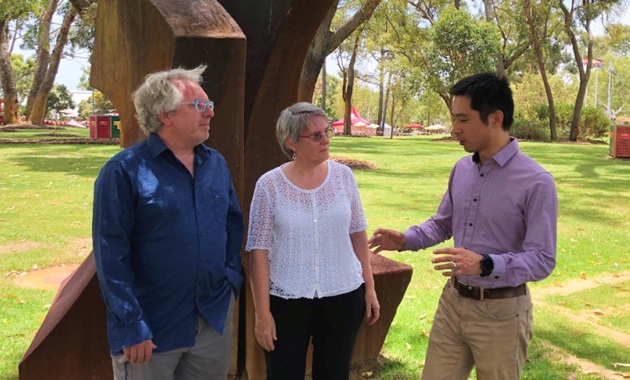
{"points": [[541, 22], [344, 17], [460, 46], [48, 62], [11, 11], [578, 19]]}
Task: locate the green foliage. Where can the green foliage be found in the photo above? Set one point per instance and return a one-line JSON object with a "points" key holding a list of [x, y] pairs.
{"points": [[461, 46], [593, 121], [59, 99], [23, 69], [97, 104], [528, 129], [14, 9]]}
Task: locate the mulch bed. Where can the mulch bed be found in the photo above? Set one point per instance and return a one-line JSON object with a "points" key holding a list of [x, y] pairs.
{"points": [[354, 164]]}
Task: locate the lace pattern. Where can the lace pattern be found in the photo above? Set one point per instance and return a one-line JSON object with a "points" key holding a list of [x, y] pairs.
{"points": [[307, 233]]}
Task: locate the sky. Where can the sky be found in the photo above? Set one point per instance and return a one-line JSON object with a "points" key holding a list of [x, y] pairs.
{"points": [[70, 71]]}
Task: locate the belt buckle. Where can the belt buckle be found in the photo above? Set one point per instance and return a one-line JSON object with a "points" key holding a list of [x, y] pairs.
{"points": [[470, 291]]}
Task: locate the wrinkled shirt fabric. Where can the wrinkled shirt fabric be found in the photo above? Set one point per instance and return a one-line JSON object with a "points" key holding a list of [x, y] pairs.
{"points": [[166, 244], [507, 208]]}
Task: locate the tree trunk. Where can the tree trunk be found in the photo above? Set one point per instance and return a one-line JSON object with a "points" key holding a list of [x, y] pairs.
{"points": [[541, 67], [324, 86], [325, 42], [584, 73], [446, 97], [349, 88], [42, 56], [39, 105], [381, 90], [7, 77], [489, 9]]}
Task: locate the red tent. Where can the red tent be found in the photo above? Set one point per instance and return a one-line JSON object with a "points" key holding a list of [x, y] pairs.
{"points": [[355, 118], [414, 125]]}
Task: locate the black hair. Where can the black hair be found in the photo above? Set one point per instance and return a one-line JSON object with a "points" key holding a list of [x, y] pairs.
{"points": [[488, 92]]}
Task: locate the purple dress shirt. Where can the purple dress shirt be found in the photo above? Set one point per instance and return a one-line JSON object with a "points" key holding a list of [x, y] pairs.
{"points": [[507, 208]]}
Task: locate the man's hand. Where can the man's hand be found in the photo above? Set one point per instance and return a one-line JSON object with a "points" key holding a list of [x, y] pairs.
{"points": [[457, 262], [386, 240], [140, 353]]}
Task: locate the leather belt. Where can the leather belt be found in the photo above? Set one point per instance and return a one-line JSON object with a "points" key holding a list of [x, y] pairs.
{"points": [[480, 294]]}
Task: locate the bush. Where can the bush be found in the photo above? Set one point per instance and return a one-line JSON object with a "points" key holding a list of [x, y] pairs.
{"points": [[593, 121], [524, 129]]}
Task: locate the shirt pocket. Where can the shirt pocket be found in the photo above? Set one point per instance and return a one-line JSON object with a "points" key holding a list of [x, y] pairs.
{"points": [[219, 201]]}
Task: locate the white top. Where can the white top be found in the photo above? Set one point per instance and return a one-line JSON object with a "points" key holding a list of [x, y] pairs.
{"points": [[307, 233]]}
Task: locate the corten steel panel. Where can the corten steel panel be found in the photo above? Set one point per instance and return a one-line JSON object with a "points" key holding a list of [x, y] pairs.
{"points": [[75, 324]]}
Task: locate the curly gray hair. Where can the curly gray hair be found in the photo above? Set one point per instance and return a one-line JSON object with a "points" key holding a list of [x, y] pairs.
{"points": [[293, 121], [158, 94]]}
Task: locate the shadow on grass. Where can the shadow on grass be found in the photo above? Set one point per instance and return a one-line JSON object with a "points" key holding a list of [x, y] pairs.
{"points": [[82, 160], [580, 340]]}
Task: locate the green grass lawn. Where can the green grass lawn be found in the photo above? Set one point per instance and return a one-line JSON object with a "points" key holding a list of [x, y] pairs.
{"points": [[46, 198]]}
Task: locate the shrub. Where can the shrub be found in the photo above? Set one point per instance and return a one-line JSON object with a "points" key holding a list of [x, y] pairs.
{"points": [[593, 121], [524, 129]]}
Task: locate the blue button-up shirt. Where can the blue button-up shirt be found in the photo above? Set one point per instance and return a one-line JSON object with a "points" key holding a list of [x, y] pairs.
{"points": [[166, 244], [507, 207]]}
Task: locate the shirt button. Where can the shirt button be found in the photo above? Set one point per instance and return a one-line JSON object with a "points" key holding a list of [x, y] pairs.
{"points": [[470, 224], [481, 175], [475, 200], [315, 220]]}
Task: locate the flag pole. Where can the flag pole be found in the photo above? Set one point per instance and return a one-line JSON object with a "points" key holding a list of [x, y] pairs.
{"points": [[596, 79], [609, 90]]}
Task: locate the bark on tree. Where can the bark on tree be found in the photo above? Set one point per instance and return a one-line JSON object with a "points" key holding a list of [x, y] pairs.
{"points": [[541, 67], [42, 55], [584, 72], [81, 4], [489, 9], [349, 88], [10, 100], [325, 42], [39, 104]]}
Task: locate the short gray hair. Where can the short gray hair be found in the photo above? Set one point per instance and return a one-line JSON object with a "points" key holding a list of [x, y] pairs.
{"points": [[293, 120], [158, 94]]}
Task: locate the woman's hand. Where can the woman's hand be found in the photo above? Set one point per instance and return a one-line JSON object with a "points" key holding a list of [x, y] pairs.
{"points": [[372, 308], [265, 330]]}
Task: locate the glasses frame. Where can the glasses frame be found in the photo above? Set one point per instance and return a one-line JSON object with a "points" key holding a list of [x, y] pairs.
{"points": [[201, 105], [317, 136]]}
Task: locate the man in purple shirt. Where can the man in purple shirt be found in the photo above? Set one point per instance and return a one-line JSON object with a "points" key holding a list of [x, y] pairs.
{"points": [[501, 209]]}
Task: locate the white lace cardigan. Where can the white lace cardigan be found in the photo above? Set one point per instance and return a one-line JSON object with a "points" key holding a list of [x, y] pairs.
{"points": [[307, 233]]}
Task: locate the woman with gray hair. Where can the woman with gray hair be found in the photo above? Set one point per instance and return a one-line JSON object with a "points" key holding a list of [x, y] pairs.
{"points": [[310, 262]]}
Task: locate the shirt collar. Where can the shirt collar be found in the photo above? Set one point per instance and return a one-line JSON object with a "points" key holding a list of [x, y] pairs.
{"points": [[157, 147], [504, 155]]}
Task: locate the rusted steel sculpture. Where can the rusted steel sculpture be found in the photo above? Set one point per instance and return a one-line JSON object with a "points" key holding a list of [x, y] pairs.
{"points": [[254, 51]]}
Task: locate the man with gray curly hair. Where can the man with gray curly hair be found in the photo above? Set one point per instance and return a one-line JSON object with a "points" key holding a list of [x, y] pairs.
{"points": [[167, 232]]}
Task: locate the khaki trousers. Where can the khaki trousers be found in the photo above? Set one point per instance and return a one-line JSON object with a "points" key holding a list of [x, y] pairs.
{"points": [[491, 335]]}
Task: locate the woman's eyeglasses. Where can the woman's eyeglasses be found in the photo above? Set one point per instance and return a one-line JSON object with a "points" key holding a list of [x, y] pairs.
{"points": [[201, 105], [317, 136]]}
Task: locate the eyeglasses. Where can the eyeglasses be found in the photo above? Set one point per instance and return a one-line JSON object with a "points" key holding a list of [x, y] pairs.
{"points": [[201, 105], [317, 136]]}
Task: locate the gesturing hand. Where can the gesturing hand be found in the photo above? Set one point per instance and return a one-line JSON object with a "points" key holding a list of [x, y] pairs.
{"points": [[386, 240]]}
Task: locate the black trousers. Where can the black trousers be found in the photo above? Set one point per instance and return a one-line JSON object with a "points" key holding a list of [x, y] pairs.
{"points": [[332, 322]]}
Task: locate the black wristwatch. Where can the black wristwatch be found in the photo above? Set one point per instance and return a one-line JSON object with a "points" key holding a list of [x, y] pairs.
{"points": [[486, 264]]}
